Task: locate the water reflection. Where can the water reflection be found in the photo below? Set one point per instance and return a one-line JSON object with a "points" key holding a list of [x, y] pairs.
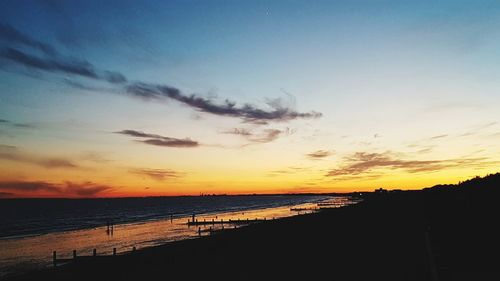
{"points": [[21, 254]]}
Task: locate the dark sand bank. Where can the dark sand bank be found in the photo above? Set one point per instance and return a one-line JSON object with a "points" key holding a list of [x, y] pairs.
{"points": [[443, 233]]}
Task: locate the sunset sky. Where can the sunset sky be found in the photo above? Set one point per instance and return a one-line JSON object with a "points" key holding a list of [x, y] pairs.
{"points": [[146, 98]]}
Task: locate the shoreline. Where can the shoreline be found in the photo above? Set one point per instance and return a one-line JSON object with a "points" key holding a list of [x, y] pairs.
{"points": [[126, 236], [407, 235], [155, 217]]}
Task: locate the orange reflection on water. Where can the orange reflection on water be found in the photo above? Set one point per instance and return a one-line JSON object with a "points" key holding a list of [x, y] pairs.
{"points": [[22, 254]]}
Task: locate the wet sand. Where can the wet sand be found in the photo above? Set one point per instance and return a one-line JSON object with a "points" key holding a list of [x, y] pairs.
{"points": [[420, 235], [29, 253]]}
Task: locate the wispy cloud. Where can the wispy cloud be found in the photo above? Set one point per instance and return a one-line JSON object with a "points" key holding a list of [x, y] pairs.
{"points": [[263, 136], [478, 128], [239, 131], [288, 171], [268, 135], [438, 137], [29, 186], [66, 189], [249, 113], [319, 154], [361, 163], [157, 174], [12, 153], [16, 125], [42, 56], [11, 35], [60, 65], [86, 189], [425, 150], [158, 140], [51, 61], [95, 157]]}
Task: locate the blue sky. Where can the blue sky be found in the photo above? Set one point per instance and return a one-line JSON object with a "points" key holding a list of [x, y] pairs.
{"points": [[374, 77]]}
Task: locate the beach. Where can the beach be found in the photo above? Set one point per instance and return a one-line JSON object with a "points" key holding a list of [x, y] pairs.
{"points": [[120, 228], [389, 236]]}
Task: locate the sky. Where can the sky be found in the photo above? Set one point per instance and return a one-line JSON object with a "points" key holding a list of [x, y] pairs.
{"points": [[153, 98]]}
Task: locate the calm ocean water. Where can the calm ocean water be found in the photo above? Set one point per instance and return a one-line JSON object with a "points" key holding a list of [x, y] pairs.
{"points": [[30, 229], [25, 217]]}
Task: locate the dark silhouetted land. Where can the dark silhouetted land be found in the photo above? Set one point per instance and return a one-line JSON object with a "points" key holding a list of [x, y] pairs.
{"points": [[447, 232]]}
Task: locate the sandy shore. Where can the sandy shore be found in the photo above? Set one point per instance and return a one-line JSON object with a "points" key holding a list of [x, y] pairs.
{"points": [[419, 235]]}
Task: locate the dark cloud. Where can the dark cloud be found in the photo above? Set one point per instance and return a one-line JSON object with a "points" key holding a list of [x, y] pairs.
{"points": [[88, 87], [114, 77], [247, 112], [29, 186], [139, 134], [6, 194], [11, 35], [13, 154], [87, 189], [4, 121], [172, 142], [80, 68], [157, 174], [159, 140], [69, 189], [60, 65], [319, 154], [276, 109], [364, 163]]}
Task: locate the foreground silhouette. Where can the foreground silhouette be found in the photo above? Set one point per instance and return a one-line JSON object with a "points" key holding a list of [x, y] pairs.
{"points": [[447, 232]]}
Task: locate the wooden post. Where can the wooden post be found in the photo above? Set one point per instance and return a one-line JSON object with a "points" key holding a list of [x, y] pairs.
{"points": [[54, 258], [133, 249], [199, 231], [74, 254], [171, 218], [192, 218], [114, 251], [94, 252]]}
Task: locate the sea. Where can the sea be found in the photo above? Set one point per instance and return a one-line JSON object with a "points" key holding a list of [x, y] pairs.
{"points": [[32, 229]]}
